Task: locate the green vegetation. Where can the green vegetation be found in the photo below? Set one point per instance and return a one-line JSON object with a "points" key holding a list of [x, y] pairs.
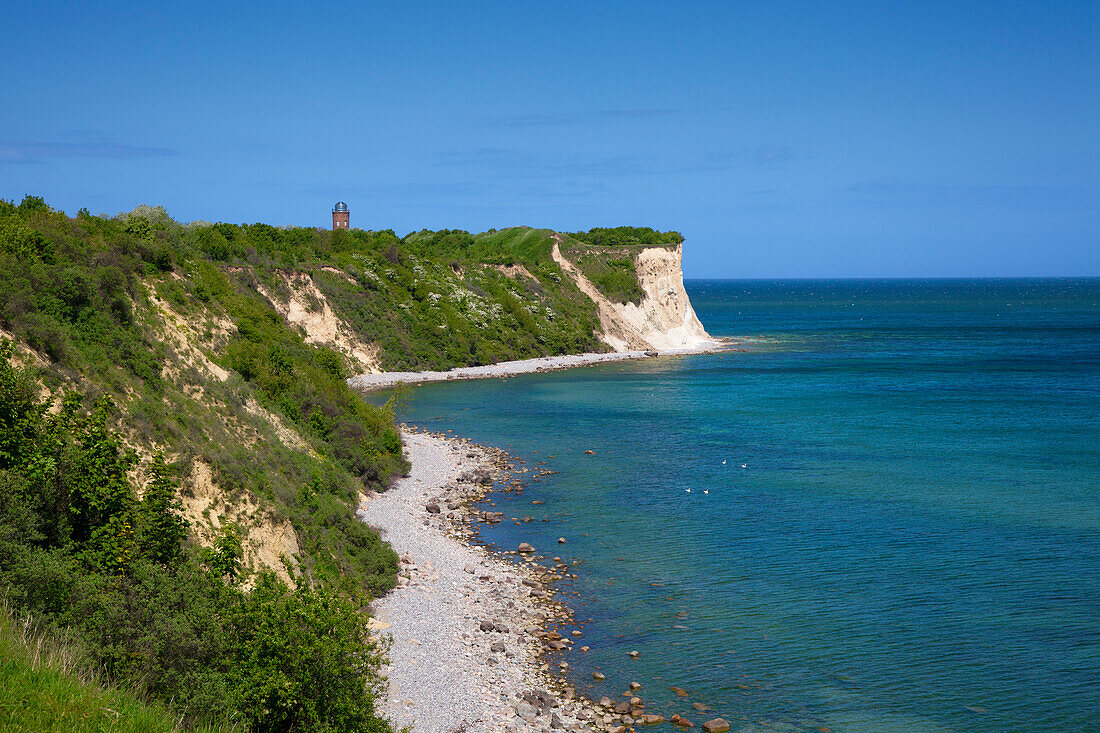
{"points": [[462, 299], [44, 689], [613, 272], [80, 550], [617, 236], [145, 354]]}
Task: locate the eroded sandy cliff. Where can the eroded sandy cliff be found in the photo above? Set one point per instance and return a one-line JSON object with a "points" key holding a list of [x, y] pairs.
{"points": [[664, 320]]}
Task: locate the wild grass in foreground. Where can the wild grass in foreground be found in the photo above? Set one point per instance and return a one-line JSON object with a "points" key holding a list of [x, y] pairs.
{"points": [[44, 688]]}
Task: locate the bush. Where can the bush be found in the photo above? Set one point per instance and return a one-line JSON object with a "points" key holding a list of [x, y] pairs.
{"points": [[80, 550]]}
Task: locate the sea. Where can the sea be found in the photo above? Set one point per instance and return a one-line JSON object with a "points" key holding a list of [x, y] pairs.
{"points": [[878, 511]]}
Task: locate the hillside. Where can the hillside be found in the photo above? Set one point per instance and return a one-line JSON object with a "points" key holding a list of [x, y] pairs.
{"points": [[189, 382]]}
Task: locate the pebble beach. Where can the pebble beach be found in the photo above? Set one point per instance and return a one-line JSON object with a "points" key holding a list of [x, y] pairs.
{"points": [[384, 380], [475, 635], [467, 627]]}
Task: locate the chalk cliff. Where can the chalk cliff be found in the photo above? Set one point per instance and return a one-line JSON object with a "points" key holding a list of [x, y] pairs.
{"points": [[663, 320]]}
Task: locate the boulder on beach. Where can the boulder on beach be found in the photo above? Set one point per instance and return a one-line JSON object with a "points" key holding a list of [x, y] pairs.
{"points": [[432, 508], [718, 725], [525, 547]]}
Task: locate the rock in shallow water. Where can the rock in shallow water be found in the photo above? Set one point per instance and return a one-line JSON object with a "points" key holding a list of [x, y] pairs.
{"points": [[718, 725]]}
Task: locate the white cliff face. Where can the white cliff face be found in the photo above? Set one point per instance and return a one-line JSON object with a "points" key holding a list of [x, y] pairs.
{"points": [[664, 319]]}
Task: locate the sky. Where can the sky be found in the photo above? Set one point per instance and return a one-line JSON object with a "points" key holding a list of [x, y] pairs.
{"points": [[783, 139]]}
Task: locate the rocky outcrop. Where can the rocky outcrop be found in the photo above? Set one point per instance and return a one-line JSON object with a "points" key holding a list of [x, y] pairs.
{"points": [[664, 319]]}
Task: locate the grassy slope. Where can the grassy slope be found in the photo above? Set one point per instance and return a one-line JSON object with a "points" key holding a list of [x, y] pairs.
{"points": [[42, 691], [454, 305]]}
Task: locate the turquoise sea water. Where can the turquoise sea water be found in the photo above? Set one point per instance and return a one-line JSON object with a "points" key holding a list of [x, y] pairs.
{"points": [[893, 521]]}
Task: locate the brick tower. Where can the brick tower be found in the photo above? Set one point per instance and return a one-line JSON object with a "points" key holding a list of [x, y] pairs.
{"points": [[340, 216]]}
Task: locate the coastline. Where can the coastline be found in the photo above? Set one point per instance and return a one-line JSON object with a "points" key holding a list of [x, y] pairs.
{"points": [[383, 380], [468, 629]]}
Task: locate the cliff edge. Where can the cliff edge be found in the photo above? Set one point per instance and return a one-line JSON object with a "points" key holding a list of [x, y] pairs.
{"points": [[663, 320]]}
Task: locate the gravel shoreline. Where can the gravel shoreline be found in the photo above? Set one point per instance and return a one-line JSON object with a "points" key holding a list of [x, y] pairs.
{"points": [[468, 628], [523, 366]]}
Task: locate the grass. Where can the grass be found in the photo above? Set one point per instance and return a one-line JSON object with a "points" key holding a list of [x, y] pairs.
{"points": [[44, 688], [612, 271]]}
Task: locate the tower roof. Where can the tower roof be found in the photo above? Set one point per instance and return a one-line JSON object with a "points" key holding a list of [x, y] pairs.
{"points": [[340, 206]]}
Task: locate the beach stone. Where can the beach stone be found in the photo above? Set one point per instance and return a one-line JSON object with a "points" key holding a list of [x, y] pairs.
{"points": [[622, 707], [605, 702], [561, 540], [718, 725], [651, 719], [470, 569], [525, 547], [701, 707], [680, 692], [599, 676], [525, 709], [555, 722], [681, 721], [432, 508], [633, 655], [497, 647], [635, 685]]}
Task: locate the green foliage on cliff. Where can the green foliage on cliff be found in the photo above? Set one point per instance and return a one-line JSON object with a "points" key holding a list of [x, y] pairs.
{"points": [[616, 236], [81, 550], [444, 299], [166, 338]]}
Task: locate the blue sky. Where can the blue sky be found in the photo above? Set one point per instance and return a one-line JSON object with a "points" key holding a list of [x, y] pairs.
{"points": [[800, 139]]}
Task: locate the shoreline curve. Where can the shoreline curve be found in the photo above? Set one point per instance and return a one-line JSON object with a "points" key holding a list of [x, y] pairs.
{"points": [[383, 380]]}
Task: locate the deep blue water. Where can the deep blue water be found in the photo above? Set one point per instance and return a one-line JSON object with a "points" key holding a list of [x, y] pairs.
{"points": [[901, 530]]}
